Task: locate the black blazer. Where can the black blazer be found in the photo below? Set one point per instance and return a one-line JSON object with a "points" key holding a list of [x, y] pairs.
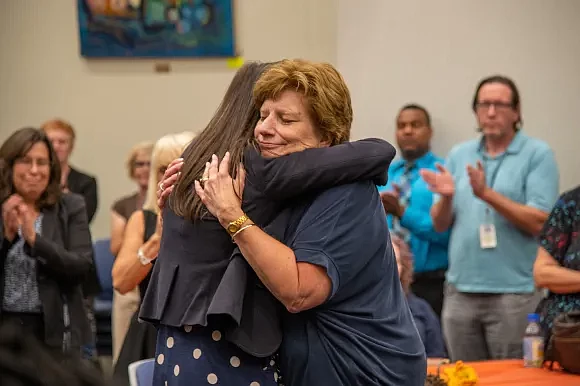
{"points": [[196, 282], [64, 253], [86, 186]]}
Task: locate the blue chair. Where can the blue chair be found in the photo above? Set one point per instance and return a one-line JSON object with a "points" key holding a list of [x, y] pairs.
{"points": [[141, 372], [103, 305]]}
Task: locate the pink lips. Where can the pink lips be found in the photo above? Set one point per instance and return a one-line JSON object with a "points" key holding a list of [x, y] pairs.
{"points": [[267, 145]]}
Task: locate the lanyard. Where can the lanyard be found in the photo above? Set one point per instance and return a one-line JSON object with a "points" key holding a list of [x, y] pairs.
{"points": [[488, 216], [494, 174]]}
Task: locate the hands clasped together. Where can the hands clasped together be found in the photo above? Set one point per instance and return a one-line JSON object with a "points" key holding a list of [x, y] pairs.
{"points": [[16, 214]]}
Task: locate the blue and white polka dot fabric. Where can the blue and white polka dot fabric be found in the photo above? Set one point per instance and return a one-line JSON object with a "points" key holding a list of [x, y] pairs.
{"points": [[201, 356]]}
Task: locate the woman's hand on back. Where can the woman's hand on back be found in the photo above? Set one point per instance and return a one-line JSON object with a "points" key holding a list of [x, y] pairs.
{"points": [[168, 181], [219, 192]]}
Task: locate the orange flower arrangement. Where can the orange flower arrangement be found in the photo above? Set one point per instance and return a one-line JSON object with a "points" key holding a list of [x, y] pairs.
{"points": [[458, 375]]}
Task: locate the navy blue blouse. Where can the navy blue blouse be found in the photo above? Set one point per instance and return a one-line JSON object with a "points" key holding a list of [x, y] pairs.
{"points": [[363, 334]]}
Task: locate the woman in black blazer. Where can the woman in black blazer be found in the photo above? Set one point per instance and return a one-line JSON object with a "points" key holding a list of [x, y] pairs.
{"points": [[62, 136], [46, 249]]}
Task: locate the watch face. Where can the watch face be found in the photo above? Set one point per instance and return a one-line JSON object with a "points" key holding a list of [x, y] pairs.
{"points": [[232, 228]]}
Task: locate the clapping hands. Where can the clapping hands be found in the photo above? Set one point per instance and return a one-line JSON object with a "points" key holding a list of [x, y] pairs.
{"points": [[17, 214], [10, 218], [440, 181]]}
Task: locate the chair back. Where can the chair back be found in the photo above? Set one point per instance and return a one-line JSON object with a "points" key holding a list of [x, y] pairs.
{"points": [[141, 372], [104, 260]]}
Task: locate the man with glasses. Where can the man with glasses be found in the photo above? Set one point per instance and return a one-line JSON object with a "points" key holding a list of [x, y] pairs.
{"points": [[495, 193]]}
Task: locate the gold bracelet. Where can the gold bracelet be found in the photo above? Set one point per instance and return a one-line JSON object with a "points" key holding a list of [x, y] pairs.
{"points": [[240, 230]]}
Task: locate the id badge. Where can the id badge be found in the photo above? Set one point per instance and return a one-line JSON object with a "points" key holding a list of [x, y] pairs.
{"points": [[487, 236]]}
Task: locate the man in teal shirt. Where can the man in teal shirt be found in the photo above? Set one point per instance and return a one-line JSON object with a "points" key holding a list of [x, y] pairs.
{"points": [[408, 200], [495, 193]]}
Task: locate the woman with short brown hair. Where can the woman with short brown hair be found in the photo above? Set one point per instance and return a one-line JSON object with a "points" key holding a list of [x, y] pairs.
{"points": [[291, 165], [347, 320]]}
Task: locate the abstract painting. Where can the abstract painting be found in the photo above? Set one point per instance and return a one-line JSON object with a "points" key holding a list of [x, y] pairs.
{"points": [[156, 28]]}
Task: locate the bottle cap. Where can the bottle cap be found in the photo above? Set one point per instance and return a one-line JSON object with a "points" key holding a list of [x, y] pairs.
{"points": [[533, 318]]}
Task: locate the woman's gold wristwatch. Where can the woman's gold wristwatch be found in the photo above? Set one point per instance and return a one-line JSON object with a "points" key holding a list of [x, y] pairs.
{"points": [[237, 225]]}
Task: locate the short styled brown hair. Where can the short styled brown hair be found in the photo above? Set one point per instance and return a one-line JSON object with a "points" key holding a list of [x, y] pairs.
{"points": [[323, 87]]}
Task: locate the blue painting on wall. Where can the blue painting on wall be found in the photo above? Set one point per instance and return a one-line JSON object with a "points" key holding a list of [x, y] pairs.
{"points": [[156, 28]]}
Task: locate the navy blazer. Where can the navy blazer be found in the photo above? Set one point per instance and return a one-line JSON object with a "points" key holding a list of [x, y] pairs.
{"points": [[199, 279]]}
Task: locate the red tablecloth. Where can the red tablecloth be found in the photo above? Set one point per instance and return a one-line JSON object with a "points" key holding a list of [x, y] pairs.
{"points": [[513, 372]]}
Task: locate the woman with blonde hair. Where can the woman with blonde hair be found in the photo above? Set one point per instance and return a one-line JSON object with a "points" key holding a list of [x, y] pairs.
{"points": [[132, 268], [138, 165]]}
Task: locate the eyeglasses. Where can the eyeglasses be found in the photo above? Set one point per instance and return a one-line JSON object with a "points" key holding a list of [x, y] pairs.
{"points": [[503, 106], [27, 161], [141, 164]]}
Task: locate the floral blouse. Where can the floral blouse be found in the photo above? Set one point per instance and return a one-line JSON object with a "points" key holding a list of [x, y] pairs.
{"points": [[561, 238]]}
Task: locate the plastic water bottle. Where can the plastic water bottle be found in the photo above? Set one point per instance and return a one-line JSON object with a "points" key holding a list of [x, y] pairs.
{"points": [[533, 342]]}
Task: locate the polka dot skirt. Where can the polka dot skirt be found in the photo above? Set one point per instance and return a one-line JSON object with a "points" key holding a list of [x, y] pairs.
{"points": [[194, 356]]}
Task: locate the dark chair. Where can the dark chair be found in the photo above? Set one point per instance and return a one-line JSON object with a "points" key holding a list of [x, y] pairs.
{"points": [[104, 260]]}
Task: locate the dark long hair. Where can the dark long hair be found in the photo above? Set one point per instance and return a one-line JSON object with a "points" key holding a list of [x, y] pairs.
{"points": [[15, 147], [231, 129]]}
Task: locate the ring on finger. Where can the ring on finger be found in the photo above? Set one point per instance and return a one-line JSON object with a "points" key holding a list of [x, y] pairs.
{"points": [[161, 186]]}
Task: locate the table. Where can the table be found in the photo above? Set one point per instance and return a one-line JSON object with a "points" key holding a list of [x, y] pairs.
{"points": [[513, 373]]}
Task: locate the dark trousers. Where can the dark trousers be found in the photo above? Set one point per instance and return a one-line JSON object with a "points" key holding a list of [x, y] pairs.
{"points": [[29, 323], [429, 286]]}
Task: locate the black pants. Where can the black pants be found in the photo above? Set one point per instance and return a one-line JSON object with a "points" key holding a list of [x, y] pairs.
{"points": [[429, 286], [30, 323]]}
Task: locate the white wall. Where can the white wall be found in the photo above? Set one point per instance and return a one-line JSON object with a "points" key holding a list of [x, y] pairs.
{"points": [[435, 52], [391, 52], [113, 103]]}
